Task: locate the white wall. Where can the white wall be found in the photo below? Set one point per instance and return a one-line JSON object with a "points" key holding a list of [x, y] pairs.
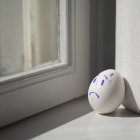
{"points": [[128, 44]]}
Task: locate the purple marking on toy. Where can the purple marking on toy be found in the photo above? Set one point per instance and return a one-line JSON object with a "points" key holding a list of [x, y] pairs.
{"points": [[94, 80], [111, 74], [102, 83], [106, 77], [95, 94]]}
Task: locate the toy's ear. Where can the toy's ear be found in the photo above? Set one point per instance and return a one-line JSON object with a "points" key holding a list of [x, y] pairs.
{"points": [[129, 99]]}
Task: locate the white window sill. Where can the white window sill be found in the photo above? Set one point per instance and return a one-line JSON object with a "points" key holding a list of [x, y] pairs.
{"points": [[75, 120]]}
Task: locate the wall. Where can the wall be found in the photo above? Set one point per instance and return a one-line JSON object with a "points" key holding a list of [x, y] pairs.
{"points": [[128, 44], [102, 35]]}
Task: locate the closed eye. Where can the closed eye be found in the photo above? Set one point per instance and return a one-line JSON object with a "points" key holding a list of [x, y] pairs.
{"points": [[102, 83], [111, 74], [94, 80], [106, 77]]}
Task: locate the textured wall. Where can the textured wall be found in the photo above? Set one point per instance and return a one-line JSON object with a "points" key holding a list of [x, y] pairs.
{"points": [[128, 44]]}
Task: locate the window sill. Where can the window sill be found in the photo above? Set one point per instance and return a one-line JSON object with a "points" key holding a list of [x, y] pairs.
{"points": [[75, 120]]}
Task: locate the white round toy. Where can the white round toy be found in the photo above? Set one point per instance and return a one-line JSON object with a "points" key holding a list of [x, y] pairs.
{"points": [[106, 91]]}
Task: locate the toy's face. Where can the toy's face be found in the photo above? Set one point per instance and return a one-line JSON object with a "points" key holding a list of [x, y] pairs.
{"points": [[105, 89], [100, 82]]}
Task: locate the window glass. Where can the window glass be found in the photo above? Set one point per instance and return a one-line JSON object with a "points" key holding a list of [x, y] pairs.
{"points": [[29, 35]]}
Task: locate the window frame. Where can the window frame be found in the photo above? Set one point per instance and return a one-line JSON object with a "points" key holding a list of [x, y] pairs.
{"points": [[67, 66]]}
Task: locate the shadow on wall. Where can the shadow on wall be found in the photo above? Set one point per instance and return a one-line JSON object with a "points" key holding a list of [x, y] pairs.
{"points": [[129, 103], [103, 14], [129, 100]]}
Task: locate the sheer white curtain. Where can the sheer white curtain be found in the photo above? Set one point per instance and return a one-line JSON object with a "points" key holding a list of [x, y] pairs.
{"points": [[29, 34]]}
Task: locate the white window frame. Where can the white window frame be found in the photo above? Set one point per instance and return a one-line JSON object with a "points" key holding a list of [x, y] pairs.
{"points": [[67, 58]]}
